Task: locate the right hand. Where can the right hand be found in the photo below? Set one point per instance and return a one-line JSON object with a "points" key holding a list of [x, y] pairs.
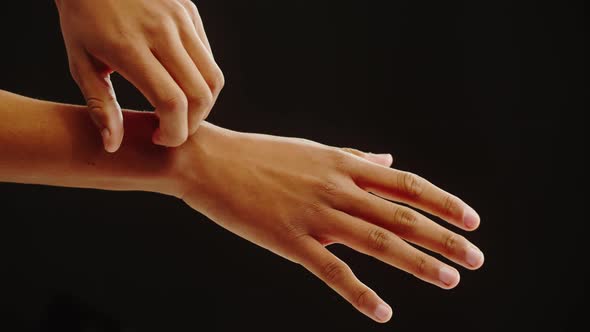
{"points": [[294, 197], [160, 46]]}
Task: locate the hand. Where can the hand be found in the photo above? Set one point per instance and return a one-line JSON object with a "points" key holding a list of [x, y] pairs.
{"points": [[294, 197], [160, 46]]}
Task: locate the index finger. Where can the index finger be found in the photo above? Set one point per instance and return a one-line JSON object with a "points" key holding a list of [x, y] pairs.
{"points": [[414, 190], [138, 65]]}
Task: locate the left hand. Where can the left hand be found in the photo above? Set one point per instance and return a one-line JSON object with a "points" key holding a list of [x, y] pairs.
{"points": [[294, 196]]}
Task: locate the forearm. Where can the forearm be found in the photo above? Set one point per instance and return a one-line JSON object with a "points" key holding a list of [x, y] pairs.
{"points": [[56, 144]]}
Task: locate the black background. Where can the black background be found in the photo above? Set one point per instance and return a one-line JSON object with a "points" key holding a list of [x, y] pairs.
{"points": [[483, 98]]}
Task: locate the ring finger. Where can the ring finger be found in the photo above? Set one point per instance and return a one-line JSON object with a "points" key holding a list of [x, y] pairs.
{"points": [[384, 245], [416, 228]]}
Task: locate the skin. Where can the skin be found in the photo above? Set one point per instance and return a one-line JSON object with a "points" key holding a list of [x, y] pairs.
{"points": [[160, 46], [291, 196]]}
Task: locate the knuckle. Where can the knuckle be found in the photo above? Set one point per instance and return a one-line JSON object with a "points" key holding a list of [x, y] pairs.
{"points": [[405, 220], [420, 265], [361, 299], [294, 231], [411, 184], [314, 209], [98, 110], [95, 105], [329, 187], [192, 10], [450, 205], [217, 81], [200, 102], [163, 23], [451, 242], [153, 27], [176, 103], [378, 239], [340, 159], [299, 223], [191, 5], [177, 10], [119, 42], [334, 272]]}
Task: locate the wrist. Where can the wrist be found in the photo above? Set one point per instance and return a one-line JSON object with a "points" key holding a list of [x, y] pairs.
{"points": [[194, 164]]}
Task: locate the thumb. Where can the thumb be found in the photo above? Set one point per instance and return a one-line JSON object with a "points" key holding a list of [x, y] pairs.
{"points": [[94, 80], [383, 159]]}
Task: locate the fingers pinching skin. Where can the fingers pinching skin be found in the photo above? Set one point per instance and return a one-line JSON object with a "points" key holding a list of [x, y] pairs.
{"points": [[414, 227], [189, 77], [140, 67], [94, 81], [194, 40], [212, 75], [336, 274], [414, 190], [160, 46]]}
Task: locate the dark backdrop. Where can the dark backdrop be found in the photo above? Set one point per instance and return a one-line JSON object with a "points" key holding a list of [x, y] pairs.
{"points": [[482, 98]]}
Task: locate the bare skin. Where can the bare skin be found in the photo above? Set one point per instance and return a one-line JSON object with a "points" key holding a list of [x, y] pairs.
{"points": [[288, 195], [160, 46]]}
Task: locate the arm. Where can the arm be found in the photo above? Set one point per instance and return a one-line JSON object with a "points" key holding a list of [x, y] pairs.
{"points": [[49, 143], [288, 195]]}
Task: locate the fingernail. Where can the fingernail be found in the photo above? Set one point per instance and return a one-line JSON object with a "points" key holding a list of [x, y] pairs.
{"points": [[470, 218], [106, 134], [474, 257], [448, 276], [382, 312], [381, 158], [156, 137]]}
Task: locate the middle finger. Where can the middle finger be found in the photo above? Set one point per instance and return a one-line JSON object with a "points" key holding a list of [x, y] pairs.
{"points": [[414, 227], [386, 246]]}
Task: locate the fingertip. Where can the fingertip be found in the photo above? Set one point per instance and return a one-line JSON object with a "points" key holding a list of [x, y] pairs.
{"points": [[194, 121], [107, 116], [194, 127], [114, 141], [383, 159], [382, 313], [449, 277], [474, 257], [389, 159], [112, 147], [106, 140], [169, 138], [471, 219], [157, 137]]}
